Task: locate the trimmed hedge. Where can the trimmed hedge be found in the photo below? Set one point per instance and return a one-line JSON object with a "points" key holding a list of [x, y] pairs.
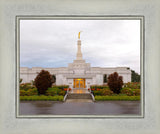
{"points": [[61, 86], [29, 92], [103, 92], [53, 91], [26, 86], [41, 98], [99, 87], [50, 92], [119, 98], [131, 92], [133, 85]]}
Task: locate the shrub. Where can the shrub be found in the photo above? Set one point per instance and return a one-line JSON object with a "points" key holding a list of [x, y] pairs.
{"points": [[41, 98], [43, 81], [92, 89], [127, 91], [119, 98], [102, 92], [29, 92], [55, 91], [115, 82], [65, 89], [61, 86], [119, 94], [98, 87], [22, 92], [137, 92], [26, 86], [130, 92], [52, 91], [62, 93], [106, 92], [133, 85], [97, 92]]}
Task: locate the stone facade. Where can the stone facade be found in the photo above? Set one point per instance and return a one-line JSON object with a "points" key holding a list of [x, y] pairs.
{"points": [[78, 70]]}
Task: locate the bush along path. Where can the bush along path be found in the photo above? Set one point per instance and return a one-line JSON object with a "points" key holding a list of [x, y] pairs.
{"points": [[41, 98], [128, 93], [117, 98], [29, 92]]}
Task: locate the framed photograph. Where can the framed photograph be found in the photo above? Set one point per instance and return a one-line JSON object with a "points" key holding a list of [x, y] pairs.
{"points": [[109, 85], [70, 68]]}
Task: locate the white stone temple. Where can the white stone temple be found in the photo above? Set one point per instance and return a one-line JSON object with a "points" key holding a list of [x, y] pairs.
{"points": [[78, 74]]}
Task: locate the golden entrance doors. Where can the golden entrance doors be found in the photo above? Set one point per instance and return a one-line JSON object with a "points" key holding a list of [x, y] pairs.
{"points": [[79, 83]]}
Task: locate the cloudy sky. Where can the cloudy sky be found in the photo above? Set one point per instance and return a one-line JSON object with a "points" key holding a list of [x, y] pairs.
{"points": [[105, 43]]}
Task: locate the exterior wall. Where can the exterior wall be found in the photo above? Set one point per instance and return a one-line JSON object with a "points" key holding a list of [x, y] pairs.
{"points": [[99, 79], [59, 79], [64, 76], [88, 83], [70, 83]]}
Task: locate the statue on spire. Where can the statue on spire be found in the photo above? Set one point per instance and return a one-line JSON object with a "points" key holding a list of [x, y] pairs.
{"points": [[79, 34]]}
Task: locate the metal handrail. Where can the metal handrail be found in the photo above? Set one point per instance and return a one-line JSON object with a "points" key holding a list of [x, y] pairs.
{"points": [[65, 97]]}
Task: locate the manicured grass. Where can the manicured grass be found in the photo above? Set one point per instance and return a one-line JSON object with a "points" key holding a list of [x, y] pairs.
{"points": [[124, 98], [40, 98]]}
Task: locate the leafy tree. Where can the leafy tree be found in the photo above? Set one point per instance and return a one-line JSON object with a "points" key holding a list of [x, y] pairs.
{"points": [[115, 82], [135, 77], [43, 81], [105, 79]]}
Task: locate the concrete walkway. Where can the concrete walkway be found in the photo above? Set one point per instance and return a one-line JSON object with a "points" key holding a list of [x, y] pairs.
{"points": [[79, 108]]}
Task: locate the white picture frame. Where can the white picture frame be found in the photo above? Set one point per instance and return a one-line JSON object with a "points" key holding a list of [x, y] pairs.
{"points": [[76, 17], [9, 123]]}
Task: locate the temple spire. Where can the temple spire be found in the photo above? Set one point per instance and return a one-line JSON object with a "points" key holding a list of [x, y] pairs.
{"points": [[79, 53]]}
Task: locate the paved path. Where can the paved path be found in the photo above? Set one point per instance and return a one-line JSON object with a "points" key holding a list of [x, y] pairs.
{"points": [[79, 108]]}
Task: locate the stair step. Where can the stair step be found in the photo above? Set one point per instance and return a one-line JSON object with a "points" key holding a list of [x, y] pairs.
{"points": [[79, 96]]}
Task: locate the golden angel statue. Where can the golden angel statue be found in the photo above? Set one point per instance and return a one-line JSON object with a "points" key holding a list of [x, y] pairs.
{"points": [[79, 34]]}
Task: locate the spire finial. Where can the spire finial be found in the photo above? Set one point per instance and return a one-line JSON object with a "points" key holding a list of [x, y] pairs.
{"points": [[79, 34]]}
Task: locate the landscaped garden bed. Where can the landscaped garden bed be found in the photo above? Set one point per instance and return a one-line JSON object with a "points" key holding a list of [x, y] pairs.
{"points": [[29, 92], [41, 98], [129, 92], [117, 98], [115, 89]]}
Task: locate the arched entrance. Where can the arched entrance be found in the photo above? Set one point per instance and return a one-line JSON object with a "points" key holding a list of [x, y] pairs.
{"points": [[79, 83]]}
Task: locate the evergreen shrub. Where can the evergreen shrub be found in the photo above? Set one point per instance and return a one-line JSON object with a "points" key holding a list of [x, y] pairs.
{"points": [[43, 81], [115, 82]]}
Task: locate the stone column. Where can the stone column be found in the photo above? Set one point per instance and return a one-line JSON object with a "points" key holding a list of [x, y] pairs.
{"points": [[79, 53]]}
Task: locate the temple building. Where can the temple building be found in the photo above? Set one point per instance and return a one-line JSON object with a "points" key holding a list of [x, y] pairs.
{"points": [[78, 74]]}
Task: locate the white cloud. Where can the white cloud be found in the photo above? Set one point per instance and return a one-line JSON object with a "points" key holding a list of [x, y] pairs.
{"points": [[105, 43]]}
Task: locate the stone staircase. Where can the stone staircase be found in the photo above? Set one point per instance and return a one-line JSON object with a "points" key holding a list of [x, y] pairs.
{"points": [[79, 96]]}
